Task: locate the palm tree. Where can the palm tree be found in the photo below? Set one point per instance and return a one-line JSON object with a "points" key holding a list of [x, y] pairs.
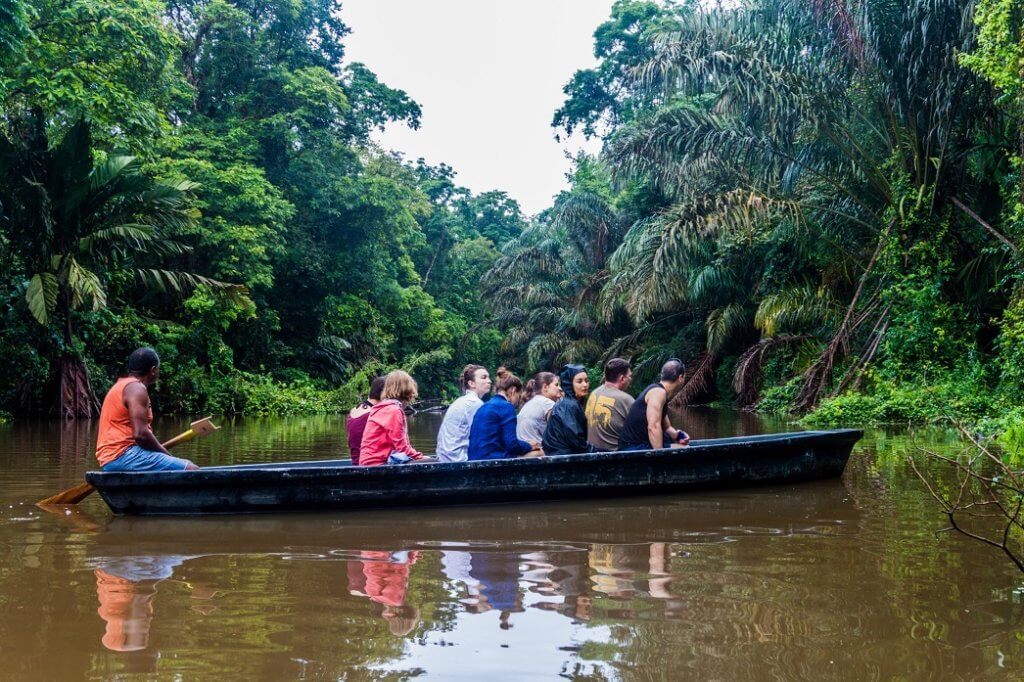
{"points": [[548, 282], [842, 119], [76, 223]]}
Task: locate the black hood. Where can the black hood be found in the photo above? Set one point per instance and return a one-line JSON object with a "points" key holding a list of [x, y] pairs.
{"points": [[565, 378]]}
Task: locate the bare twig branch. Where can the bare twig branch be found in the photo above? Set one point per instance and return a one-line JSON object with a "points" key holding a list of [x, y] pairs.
{"points": [[978, 491]]}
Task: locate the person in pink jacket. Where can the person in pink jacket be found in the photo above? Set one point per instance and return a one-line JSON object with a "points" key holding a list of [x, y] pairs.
{"points": [[386, 432]]}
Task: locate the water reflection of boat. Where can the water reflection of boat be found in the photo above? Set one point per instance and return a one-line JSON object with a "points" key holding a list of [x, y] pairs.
{"points": [[313, 486], [817, 508], [583, 560]]}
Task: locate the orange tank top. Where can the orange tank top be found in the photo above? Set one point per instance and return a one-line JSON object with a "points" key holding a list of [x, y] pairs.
{"points": [[115, 433]]}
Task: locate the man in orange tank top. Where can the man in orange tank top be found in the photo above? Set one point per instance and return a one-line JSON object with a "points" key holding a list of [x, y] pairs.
{"points": [[126, 441]]}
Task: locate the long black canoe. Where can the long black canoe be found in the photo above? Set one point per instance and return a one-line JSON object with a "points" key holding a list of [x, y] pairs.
{"points": [[336, 484]]}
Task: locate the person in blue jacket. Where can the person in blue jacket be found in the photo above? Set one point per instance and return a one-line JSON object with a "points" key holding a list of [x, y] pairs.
{"points": [[493, 434]]}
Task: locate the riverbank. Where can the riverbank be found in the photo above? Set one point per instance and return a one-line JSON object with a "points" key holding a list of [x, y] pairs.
{"points": [[990, 416]]}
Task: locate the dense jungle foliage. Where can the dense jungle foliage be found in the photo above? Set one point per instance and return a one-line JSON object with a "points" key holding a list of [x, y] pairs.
{"points": [[198, 175], [818, 203]]}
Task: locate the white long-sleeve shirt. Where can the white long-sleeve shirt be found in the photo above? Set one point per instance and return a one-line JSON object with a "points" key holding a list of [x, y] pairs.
{"points": [[453, 437]]}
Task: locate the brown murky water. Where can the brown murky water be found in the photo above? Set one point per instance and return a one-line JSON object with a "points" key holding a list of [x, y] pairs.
{"points": [[836, 580]]}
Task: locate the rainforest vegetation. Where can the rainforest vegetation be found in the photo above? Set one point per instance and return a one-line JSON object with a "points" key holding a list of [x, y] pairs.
{"points": [[817, 203], [198, 175]]}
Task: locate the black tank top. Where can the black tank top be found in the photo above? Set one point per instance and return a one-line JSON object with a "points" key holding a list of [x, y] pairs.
{"points": [[634, 429]]}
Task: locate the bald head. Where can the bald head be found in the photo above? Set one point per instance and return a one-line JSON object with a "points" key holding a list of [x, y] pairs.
{"points": [[144, 363], [673, 370]]}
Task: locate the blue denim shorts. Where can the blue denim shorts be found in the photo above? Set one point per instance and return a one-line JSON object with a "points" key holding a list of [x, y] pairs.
{"points": [[138, 459]]}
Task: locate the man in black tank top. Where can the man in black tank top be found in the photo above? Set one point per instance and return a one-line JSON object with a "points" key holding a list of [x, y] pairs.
{"points": [[647, 426]]}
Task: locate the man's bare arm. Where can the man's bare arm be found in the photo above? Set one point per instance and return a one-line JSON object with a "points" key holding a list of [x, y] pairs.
{"points": [[136, 399], [655, 403], [673, 434], [669, 430]]}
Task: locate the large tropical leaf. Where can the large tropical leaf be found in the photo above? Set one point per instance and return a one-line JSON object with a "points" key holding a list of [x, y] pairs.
{"points": [[41, 296]]}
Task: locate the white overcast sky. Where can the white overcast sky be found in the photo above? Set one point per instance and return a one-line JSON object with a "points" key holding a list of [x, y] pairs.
{"points": [[488, 75]]}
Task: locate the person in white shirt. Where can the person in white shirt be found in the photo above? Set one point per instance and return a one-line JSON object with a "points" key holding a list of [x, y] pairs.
{"points": [[542, 392], [453, 437]]}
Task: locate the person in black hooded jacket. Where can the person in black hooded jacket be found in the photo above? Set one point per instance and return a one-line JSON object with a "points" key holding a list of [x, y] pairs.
{"points": [[567, 426]]}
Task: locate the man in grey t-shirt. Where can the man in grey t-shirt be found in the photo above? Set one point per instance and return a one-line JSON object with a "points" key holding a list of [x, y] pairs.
{"points": [[608, 405]]}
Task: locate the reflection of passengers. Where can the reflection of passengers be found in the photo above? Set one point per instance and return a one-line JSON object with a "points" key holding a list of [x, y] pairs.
{"points": [[567, 576], [498, 576], [127, 609], [125, 589], [383, 577], [619, 569]]}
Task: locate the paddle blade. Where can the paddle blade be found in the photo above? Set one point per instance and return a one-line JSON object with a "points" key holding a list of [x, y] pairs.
{"points": [[69, 496], [203, 427]]}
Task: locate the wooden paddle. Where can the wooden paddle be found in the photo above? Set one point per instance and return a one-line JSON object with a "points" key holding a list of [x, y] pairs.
{"points": [[75, 495]]}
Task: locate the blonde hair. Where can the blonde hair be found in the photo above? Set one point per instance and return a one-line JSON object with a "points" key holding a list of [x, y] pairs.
{"points": [[398, 385]]}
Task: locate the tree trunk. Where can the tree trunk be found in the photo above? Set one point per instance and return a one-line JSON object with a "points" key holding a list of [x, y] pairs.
{"points": [[77, 399]]}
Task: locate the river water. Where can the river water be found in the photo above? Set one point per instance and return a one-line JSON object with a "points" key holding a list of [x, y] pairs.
{"points": [[843, 579]]}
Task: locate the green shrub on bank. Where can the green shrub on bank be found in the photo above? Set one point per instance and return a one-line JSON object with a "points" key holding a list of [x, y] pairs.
{"points": [[779, 399], [253, 394], [1006, 430], [905, 404], [259, 395]]}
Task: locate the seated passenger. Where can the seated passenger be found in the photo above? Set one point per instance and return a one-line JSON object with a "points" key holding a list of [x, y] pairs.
{"points": [[542, 391], [608, 406], [356, 422], [493, 434], [567, 426], [126, 441], [647, 425], [386, 437], [453, 436]]}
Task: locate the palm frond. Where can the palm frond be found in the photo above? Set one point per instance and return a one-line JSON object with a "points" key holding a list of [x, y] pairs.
{"points": [[182, 283], [798, 308]]}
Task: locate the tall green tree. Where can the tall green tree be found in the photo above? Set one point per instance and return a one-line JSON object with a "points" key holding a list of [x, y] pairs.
{"points": [[600, 99], [110, 63], [80, 227]]}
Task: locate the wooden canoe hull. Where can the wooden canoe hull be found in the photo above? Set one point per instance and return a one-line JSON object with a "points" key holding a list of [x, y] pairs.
{"points": [[336, 484]]}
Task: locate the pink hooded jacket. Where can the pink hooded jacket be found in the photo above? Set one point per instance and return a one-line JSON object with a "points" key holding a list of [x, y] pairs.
{"points": [[386, 432]]}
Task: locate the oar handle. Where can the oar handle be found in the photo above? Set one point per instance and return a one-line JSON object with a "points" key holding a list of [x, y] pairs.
{"points": [[180, 438]]}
